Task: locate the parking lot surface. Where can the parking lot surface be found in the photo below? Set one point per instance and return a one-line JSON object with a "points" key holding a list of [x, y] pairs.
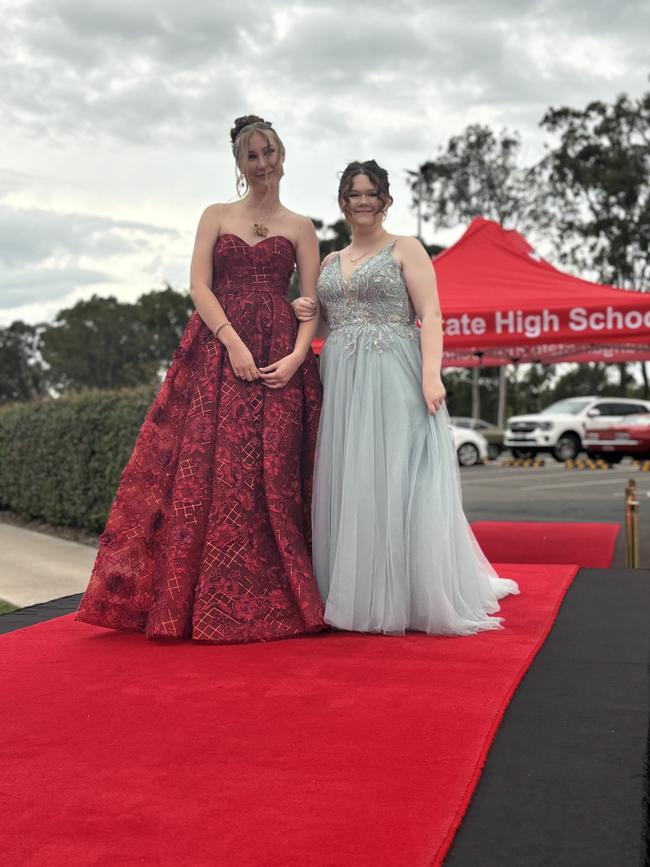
{"points": [[494, 492]]}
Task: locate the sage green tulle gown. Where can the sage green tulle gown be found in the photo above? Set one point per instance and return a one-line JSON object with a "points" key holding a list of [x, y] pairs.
{"points": [[391, 545]]}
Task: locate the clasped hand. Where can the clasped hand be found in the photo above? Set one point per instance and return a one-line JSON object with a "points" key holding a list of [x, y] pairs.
{"points": [[304, 309], [278, 374], [275, 375]]}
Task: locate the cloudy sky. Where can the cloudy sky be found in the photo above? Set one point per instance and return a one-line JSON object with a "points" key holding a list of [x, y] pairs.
{"points": [[115, 116]]}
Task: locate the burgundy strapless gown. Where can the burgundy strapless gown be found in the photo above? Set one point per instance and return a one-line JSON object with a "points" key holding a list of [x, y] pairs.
{"points": [[209, 533]]}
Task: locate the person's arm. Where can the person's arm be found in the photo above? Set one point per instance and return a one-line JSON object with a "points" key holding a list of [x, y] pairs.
{"points": [[205, 301], [278, 374], [306, 308], [308, 265], [420, 279]]}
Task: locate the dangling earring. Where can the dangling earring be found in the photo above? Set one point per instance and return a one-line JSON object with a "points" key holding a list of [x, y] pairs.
{"points": [[242, 185]]}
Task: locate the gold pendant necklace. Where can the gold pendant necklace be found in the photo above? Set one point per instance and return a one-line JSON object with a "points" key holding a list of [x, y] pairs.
{"points": [[259, 227], [358, 259]]}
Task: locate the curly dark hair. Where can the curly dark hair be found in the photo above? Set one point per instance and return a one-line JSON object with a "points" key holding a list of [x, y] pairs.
{"points": [[375, 174]]}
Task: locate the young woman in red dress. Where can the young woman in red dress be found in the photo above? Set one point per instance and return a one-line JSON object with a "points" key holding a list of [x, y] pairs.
{"points": [[209, 533]]}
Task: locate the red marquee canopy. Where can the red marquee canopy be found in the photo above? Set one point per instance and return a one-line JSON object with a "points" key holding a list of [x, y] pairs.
{"points": [[502, 302]]}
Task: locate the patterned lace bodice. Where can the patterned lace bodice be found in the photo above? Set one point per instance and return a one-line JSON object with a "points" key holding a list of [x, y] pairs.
{"points": [[240, 267], [371, 305]]}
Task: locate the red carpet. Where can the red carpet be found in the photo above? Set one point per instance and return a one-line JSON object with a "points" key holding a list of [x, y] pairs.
{"points": [[538, 542], [334, 750]]}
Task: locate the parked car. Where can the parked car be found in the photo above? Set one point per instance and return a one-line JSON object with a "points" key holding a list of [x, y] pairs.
{"points": [[628, 437], [492, 433], [471, 447], [560, 428]]}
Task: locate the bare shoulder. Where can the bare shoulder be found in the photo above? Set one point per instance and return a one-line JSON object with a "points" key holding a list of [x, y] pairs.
{"points": [[411, 253], [212, 215], [329, 258], [301, 225], [409, 246]]}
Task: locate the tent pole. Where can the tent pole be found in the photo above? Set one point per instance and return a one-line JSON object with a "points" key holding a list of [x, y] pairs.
{"points": [[476, 395], [503, 385]]}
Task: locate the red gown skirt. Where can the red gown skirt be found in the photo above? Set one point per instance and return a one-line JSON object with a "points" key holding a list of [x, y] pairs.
{"points": [[209, 533]]}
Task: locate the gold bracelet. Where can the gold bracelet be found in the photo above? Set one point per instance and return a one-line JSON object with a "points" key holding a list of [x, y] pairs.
{"points": [[220, 326]]}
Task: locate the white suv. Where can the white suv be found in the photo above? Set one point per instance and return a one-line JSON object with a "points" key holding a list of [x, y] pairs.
{"points": [[560, 428]]}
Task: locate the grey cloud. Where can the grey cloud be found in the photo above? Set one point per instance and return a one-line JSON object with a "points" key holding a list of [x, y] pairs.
{"points": [[315, 123], [161, 106], [429, 64], [41, 252], [157, 69], [629, 16], [320, 47], [563, 15], [93, 69], [30, 237], [41, 285], [407, 137], [97, 18], [12, 181], [152, 30]]}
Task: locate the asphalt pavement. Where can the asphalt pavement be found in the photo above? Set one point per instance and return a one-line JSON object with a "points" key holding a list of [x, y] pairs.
{"points": [[552, 493]]}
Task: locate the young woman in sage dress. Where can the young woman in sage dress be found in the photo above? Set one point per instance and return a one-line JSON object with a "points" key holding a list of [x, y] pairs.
{"points": [[209, 533], [391, 545]]}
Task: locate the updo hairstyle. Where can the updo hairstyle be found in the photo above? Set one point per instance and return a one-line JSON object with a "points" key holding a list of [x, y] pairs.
{"points": [[240, 136]]}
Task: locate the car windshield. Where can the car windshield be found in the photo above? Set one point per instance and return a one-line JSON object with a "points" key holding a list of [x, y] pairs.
{"points": [[571, 406]]}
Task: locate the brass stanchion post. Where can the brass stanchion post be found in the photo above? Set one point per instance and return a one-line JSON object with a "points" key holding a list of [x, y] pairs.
{"points": [[631, 526]]}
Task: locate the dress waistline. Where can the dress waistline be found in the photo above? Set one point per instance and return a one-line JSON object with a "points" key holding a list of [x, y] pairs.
{"points": [[254, 289]]}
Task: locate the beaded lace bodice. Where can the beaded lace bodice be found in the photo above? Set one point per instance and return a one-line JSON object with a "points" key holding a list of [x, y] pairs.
{"points": [[371, 305]]}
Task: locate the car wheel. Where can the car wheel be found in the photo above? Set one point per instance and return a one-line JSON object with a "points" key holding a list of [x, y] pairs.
{"points": [[468, 455], [493, 451], [566, 448], [523, 453]]}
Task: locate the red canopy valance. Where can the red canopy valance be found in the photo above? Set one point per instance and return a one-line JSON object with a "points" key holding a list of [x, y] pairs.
{"points": [[502, 302]]}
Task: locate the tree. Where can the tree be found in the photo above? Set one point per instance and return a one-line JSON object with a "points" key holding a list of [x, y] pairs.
{"points": [[334, 236], [530, 388], [104, 343], [477, 174], [22, 376], [98, 343], [164, 314], [584, 379], [597, 179], [458, 384]]}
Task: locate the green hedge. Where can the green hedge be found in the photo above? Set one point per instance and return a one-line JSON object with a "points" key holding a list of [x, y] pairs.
{"points": [[61, 460]]}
